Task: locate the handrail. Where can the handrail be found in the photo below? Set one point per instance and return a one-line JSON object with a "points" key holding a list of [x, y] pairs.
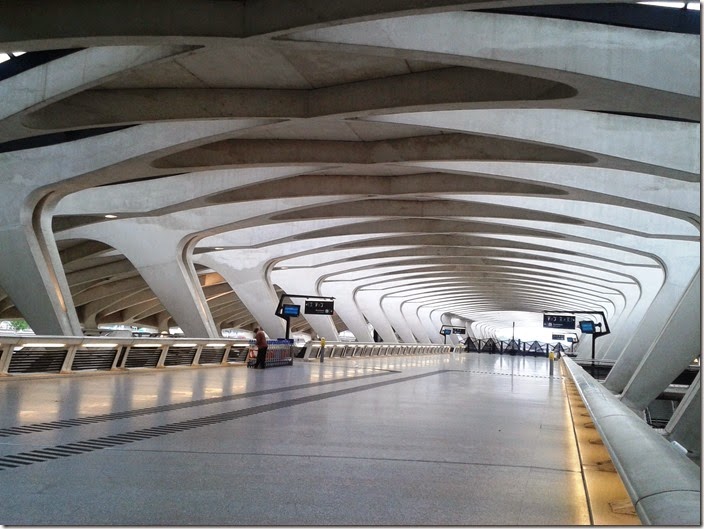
{"points": [[363, 349], [663, 484], [36, 355], [32, 355]]}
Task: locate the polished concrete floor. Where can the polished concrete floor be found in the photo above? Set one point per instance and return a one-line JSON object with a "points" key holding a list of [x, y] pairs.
{"points": [[463, 439]]}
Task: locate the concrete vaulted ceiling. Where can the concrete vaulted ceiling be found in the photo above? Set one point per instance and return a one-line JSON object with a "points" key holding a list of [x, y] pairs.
{"points": [[423, 162]]}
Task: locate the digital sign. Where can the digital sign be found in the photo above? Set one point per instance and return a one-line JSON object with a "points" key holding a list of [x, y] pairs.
{"points": [[291, 310], [457, 330], [587, 326], [445, 331], [319, 307], [558, 336], [558, 322]]}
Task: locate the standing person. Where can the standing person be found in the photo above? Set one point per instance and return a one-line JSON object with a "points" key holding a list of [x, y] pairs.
{"points": [[260, 339]]}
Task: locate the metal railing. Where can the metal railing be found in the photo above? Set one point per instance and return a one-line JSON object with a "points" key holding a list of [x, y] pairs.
{"points": [[369, 349], [663, 484], [28, 355], [33, 355]]}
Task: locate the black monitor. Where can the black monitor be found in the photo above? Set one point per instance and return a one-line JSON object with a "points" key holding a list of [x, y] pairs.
{"points": [[291, 310], [586, 326], [555, 321], [319, 307]]}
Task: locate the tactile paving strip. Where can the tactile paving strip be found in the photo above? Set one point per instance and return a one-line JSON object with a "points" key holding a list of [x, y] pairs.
{"points": [[91, 445], [502, 373]]}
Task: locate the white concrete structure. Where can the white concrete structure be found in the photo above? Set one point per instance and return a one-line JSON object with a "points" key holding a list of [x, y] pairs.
{"points": [[422, 162]]}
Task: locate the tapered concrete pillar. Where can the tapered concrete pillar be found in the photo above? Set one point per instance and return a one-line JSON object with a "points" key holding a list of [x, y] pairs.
{"points": [[410, 312], [611, 346], [158, 252], [347, 308], [655, 322], [392, 308], [32, 275], [251, 284], [685, 425], [304, 282], [672, 351], [370, 305], [432, 327]]}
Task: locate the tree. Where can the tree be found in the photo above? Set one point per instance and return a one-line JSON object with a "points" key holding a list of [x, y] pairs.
{"points": [[19, 325]]}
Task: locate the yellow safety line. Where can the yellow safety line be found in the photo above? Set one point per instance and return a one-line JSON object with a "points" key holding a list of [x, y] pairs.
{"points": [[607, 499]]}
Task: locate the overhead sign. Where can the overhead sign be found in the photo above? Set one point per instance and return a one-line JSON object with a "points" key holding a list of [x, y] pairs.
{"points": [[319, 307], [558, 336], [558, 322], [291, 310], [457, 330], [586, 326], [445, 331]]}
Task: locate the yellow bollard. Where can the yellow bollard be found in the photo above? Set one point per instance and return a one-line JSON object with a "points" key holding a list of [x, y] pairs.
{"points": [[322, 350], [551, 357]]}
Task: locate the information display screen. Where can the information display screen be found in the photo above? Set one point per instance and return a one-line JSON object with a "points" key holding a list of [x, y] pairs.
{"points": [[587, 326], [291, 310], [319, 307], [558, 322], [446, 331], [558, 336], [457, 330]]}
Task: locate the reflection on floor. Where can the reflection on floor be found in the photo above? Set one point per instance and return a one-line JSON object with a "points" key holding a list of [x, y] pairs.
{"points": [[466, 439]]}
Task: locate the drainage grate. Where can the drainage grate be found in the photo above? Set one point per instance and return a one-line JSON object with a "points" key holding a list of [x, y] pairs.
{"points": [[91, 445]]}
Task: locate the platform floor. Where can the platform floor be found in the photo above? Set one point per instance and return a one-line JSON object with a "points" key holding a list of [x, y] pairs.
{"points": [[462, 439]]}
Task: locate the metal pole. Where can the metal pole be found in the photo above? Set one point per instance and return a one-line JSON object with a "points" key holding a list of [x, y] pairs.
{"points": [[322, 350]]}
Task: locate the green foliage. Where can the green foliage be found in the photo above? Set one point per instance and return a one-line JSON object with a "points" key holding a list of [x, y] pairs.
{"points": [[19, 325]]}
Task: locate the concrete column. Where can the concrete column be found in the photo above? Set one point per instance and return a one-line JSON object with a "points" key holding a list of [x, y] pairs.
{"points": [[392, 308], [370, 305], [250, 282], [347, 309], [685, 425], [432, 328], [159, 254], [670, 353], [303, 281], [622, 333], [651, 328], [31, 272], [410, 312], [30, 260]]}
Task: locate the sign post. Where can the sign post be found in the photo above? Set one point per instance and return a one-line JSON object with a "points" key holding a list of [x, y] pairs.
{"points": [[286, 312], [556, 321]]}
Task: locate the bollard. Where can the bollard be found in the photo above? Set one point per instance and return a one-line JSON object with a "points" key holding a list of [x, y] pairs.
{"points": [[551, 356], [322, 350]]}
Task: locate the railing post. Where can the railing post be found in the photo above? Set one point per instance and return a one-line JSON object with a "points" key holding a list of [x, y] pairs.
{"points": [[6, 357], [68, 359]]}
